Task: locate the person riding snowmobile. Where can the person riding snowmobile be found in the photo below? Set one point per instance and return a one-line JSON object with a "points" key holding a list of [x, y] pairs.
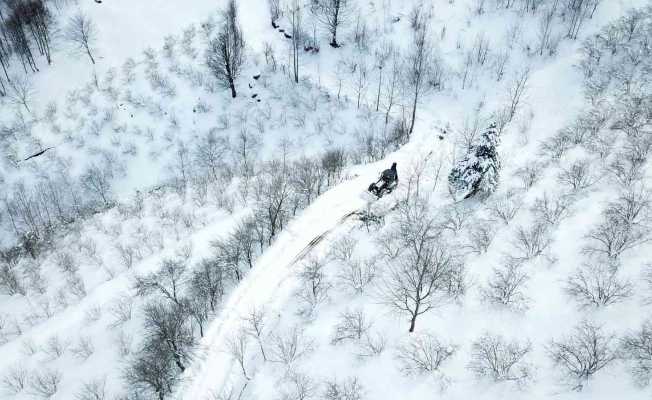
{"points": [[389, 179]]}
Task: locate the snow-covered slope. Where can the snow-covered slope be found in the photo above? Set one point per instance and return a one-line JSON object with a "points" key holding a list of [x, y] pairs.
{"points": [[155, 163]]}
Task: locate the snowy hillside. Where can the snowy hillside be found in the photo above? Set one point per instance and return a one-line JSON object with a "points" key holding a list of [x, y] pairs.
{"points": [[184, 209]]}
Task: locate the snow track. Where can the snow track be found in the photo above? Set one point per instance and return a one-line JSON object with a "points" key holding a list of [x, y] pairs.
{"points": [[264, 283]]}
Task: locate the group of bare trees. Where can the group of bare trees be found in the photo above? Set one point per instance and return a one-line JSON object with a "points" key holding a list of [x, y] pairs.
{"points": [[26, 31]]}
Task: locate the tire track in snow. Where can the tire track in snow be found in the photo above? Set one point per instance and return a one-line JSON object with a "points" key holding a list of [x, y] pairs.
{"points": [[212, 369]]}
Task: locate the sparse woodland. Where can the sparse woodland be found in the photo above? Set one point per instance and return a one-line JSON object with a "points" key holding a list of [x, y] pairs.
{"points": [[193, 223]]}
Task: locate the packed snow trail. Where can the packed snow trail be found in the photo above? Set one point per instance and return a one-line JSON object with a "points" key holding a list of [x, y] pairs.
{"points": [[211, 372], [263, 281]]}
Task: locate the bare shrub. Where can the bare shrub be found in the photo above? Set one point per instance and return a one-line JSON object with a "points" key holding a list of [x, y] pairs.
{"points": [[481, 234], [256, 328], [121, 309], [348, 389], [555, 147], [578, 176], [506, 287], [598, 285], [15, 380], [372, 345], [298, 386], [455, 218], [55, 347], [342, 250], [636, 348], [315, 286], [353, 325], [506, 207], [167, 282], [84, 348], [553, 208], [583, 353], [533, 241], [501, 360], [236, 347], [93, 390], [45, 383], [529, 174], [423, 354], [356, 275], [626, 225], [65, 262], [289, 346]]}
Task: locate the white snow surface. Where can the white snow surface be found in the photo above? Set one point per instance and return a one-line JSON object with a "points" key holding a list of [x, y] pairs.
{"points": [[554, 97]]}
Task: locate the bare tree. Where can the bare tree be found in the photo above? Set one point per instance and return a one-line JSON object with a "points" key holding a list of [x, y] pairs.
{"points": [[332, 14], [423, 354], [348, 389], [236, 347], [372, 345], [553, 208], [315, 285], [10, 280], [45, 383], [533, 241], [519, 87], [501, 360], [93, 390], [256, 328], [20, 91], [481, 234], [583, 353], [506, 286], [357, 275], [295, 15], [626, 225], [426, 274], [152, 371], [299, 386], [352, 326], [84, 348], [275, 11], [225, 55], [578, 176], [598, 285], [207, 282], [15, 380], [505, 207], [82, 33], [167, 282], [636, 348], [418, 64], [422, 280], [97, 181], [289, 346], [167, 327]]}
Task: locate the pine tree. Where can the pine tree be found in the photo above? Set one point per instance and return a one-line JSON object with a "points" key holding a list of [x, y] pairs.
{"points": [[477, 173]]}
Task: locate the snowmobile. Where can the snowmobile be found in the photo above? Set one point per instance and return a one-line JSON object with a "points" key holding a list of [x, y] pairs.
{"points": [[386, 183]]}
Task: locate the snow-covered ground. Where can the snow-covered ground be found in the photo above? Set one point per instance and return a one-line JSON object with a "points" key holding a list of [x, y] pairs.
{"points": [[148, 111]]}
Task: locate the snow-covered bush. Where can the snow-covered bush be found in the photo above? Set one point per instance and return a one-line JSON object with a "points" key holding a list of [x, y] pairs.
{"points": [[423, 354], [583, 353], [506, 287], [597, 285], [636, 349], [494, 357]]}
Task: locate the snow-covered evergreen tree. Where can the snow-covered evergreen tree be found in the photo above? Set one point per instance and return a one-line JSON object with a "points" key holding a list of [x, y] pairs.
{"points": [[477, 173]]}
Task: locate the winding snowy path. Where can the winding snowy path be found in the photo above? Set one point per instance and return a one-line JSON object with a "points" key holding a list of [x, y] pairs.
{"points": [[265, 281]]}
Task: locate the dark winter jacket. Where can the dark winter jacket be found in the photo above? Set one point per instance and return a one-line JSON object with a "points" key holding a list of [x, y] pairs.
{"points": [[390, 175]]}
